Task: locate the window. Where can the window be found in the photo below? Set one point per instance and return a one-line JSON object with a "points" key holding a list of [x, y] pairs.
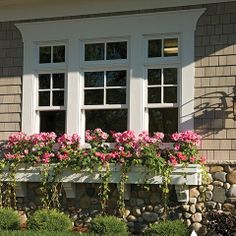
{"points": [[51, 87], [162, 85], [132, 72], [105, 91]]}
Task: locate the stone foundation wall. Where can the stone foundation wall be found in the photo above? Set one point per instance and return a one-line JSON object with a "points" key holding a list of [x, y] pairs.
{"points": [[146, 206]]}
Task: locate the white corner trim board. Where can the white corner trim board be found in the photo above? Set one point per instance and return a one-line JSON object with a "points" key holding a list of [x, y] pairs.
{"points": [[136, 29]]}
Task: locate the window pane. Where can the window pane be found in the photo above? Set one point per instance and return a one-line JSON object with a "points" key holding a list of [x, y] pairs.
{"points": [[58, 98], [116, 50], [154, 76], [116, 96], [94, 52], [94, 79], [163, 120], [45, 54], [93, 97], [170, 76], [44, 98], [116, 78], [154, 48], [171, 47], [154, 95], [58, 80], [107, 120], [58, 54], [52, 121], [44, 81], [170, 94]]}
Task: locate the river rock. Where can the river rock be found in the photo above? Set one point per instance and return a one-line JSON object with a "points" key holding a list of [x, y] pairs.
{"points": [[232, 191], [150, 216], [221, 176], [214, 169], [194, 192], [231, 177], [219, 194], [197, 217]]}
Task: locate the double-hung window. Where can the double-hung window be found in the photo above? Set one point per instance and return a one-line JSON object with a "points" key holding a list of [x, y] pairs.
{"points": [[105, 85], [162, 81], [51, 88]]}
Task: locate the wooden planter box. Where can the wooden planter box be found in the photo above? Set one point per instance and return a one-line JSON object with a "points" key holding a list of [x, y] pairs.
{"points": [[180, 177]]}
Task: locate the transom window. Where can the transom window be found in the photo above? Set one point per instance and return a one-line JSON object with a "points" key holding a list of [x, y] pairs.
{"points": [[165, 47], [52, 54], [105, 51]]}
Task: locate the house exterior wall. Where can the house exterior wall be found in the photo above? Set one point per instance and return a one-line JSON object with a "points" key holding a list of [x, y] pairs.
{"points": [[215, 54], [215, 60], [11, 61]]}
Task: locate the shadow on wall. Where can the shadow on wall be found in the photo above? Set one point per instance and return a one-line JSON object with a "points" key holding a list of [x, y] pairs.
{"points": [[215, 61]]}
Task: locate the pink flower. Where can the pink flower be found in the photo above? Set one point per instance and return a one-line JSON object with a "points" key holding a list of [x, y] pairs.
{"points": [[192, 159], [173, 160], [203, 159], [177, 146], [181, 156]]}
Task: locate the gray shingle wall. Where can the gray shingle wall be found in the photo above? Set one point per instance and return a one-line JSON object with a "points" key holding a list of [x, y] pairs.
{"points": [[11, 61], [215, 53]]}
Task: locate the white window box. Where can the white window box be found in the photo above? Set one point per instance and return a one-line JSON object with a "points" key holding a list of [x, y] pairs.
{"points": [[180, 177]]}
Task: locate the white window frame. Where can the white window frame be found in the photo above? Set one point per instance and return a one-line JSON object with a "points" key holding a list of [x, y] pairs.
{"points": [[133, 27]]}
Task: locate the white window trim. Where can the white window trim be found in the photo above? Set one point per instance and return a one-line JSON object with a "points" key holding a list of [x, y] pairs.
{"points": [[135, 27]]}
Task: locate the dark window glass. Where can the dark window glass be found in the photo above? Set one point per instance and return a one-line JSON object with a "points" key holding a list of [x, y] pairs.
{"points": [[170, 94], [58, 98], [44, 81], [94, 51], [171, 47], [107, 120], [93, 97], [45, 54], [116, 78], [163, 120], [154, 95], [154, 76], [154, 48], [58, 54], [94, 79], [58, 80], [170, 75], [116, 96], [44, 98], [116, 50], [52, 121]]}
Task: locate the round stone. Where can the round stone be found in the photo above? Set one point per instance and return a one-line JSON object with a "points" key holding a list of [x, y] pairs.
{"points": [[150, 216], [194, 193], [210, 187], [192, 209], [185, 207], [218, 183], [136, 211], [149, 208], [227, 186], [187, 215], [219, 194], [229, 207], [209, 195], [188, 222], [232, 191], [127, 212], [221, 176], [131, 218], [200, 207], [211, 205], [192, 200], [214, 169], [231, 177], [197, 217]]}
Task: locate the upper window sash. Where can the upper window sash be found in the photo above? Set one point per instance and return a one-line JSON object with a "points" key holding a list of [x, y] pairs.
{"points": [[110, 52]]}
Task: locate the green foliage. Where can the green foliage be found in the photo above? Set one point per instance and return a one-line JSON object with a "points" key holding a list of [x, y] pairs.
{"points": [[108, 225], [49, 220], [9, 219], [167, 228], [35, 233]]}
